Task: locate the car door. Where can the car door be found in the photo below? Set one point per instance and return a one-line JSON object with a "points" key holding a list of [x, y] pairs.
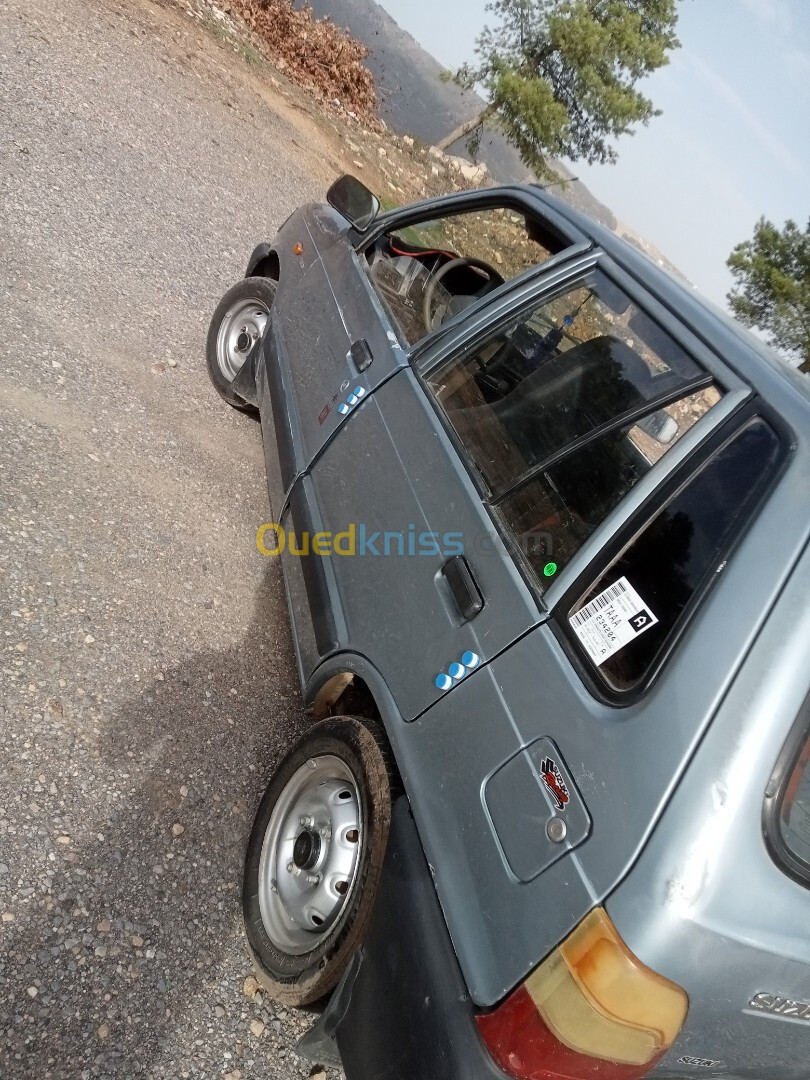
{"points": [[417, 571], [420, 578], [374, 458]]}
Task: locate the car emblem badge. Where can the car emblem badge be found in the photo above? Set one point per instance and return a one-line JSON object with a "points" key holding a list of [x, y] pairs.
{"points": [[780, 1006], [555, 785]]}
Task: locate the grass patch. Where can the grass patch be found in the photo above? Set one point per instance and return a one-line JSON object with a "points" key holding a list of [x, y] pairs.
{"points": [[216, 29], [248, 53], [225, 35]]}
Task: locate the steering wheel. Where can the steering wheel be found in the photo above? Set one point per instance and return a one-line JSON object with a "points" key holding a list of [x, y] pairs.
{"points": [[494, 281]]}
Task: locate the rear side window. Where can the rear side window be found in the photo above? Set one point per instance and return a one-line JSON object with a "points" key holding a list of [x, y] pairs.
{"points": [[627, 618]]}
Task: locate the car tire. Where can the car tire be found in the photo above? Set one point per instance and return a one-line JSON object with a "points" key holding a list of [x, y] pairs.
{"points": [[314, 858], [237, 327]]}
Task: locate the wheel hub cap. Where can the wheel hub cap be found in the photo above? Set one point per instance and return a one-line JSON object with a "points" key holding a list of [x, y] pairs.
{"points": [[306, 850]]}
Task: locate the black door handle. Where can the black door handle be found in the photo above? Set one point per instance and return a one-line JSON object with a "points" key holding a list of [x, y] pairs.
{"points": [[360, 353], [466, 594]]}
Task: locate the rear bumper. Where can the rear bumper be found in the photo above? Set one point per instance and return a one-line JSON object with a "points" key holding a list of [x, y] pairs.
{"points": [[402, 1011]]}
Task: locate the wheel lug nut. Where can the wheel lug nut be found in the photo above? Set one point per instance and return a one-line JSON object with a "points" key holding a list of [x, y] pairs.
{"points": [[325, 832], [352, 836], [313, 879], [305, 820], [341, 887], [293, 869]]}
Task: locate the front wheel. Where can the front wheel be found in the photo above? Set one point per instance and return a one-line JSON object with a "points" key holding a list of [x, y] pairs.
{"points": [[314, 858], [237, 327]]}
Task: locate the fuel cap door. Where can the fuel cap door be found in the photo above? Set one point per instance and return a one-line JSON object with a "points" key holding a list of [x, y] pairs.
{"points": [[536, 811]]}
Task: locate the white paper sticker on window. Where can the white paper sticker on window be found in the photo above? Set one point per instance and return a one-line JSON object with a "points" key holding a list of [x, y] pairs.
{"points": [[611, 620]]}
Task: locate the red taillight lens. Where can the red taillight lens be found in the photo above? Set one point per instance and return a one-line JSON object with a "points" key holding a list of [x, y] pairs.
{"points": [[591, 1010]]}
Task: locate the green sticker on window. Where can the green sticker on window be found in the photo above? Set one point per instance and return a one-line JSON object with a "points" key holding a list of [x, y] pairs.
{"points": [[550, 569]]}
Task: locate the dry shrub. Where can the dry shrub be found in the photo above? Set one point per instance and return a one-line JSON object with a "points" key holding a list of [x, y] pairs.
{"points": [[313, 52]]}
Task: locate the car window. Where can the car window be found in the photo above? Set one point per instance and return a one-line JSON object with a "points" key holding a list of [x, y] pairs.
{"points": [[625, 620], [566, 409], [426, 273], [794, 815], [554, 514]]}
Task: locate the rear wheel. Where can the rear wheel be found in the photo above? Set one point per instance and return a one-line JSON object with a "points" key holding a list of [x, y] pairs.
{"points": [[314, 858], [237, 327]]}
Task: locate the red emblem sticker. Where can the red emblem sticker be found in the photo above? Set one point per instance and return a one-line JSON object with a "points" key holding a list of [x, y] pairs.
{"points": [[324, 413], [552, 778]]}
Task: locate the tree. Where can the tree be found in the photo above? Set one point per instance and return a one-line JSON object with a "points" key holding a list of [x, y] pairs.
{"points": [[772, 286], [560, 75]]}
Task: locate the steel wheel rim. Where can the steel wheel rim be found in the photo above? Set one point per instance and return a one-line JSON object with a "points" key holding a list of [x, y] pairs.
{"points": [[305, 884], [242, 326]]}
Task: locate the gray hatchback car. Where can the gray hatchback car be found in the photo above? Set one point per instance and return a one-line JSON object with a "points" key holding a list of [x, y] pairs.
{"points": [[543, 516]]}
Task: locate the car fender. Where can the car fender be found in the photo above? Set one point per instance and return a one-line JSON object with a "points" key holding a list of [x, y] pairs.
{"points": [[332, 676], [264, 258]]}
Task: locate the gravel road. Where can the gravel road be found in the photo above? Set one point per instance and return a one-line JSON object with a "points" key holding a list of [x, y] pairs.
{"points": [[148, 681]]}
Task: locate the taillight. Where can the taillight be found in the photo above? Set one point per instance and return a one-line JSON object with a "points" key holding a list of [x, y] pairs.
{"points": [[591, 1010]]}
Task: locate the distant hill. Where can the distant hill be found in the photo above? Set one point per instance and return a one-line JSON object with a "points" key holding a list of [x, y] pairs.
{"points": [[415, 101]]}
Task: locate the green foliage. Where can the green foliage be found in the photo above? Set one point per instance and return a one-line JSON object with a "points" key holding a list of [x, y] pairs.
{"points": [[772, 286], [474, 142], [560, 75]]}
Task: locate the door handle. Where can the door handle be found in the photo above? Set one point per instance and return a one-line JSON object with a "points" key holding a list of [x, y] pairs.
{"points": [[361, 354], [463, 589]]}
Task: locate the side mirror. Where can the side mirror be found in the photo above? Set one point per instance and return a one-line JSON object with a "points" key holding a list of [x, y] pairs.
{"points": [[660, 426], [354, 201]]}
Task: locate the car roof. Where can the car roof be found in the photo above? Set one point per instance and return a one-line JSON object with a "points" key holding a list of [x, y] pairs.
{"points": [[741, 350]]}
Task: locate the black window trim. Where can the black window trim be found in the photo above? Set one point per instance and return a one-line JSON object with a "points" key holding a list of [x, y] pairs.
{"points": [[784, 857], [633, 525]]}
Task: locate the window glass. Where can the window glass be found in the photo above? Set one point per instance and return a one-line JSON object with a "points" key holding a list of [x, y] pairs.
{"points": [[585, 359], [553, 514], [794, 817], [627, 617], [423, 272]]}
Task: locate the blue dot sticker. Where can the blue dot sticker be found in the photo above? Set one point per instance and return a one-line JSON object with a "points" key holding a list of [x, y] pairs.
{"points": [[471, 660], [343, 409], [360, 391], [444, 682], [457, 671]]}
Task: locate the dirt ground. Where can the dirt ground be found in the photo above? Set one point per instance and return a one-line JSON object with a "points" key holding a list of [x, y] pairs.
{"points": [[147, 678]]}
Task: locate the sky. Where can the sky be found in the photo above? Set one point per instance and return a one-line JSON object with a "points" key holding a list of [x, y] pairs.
{"points": [[732, 145]]}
